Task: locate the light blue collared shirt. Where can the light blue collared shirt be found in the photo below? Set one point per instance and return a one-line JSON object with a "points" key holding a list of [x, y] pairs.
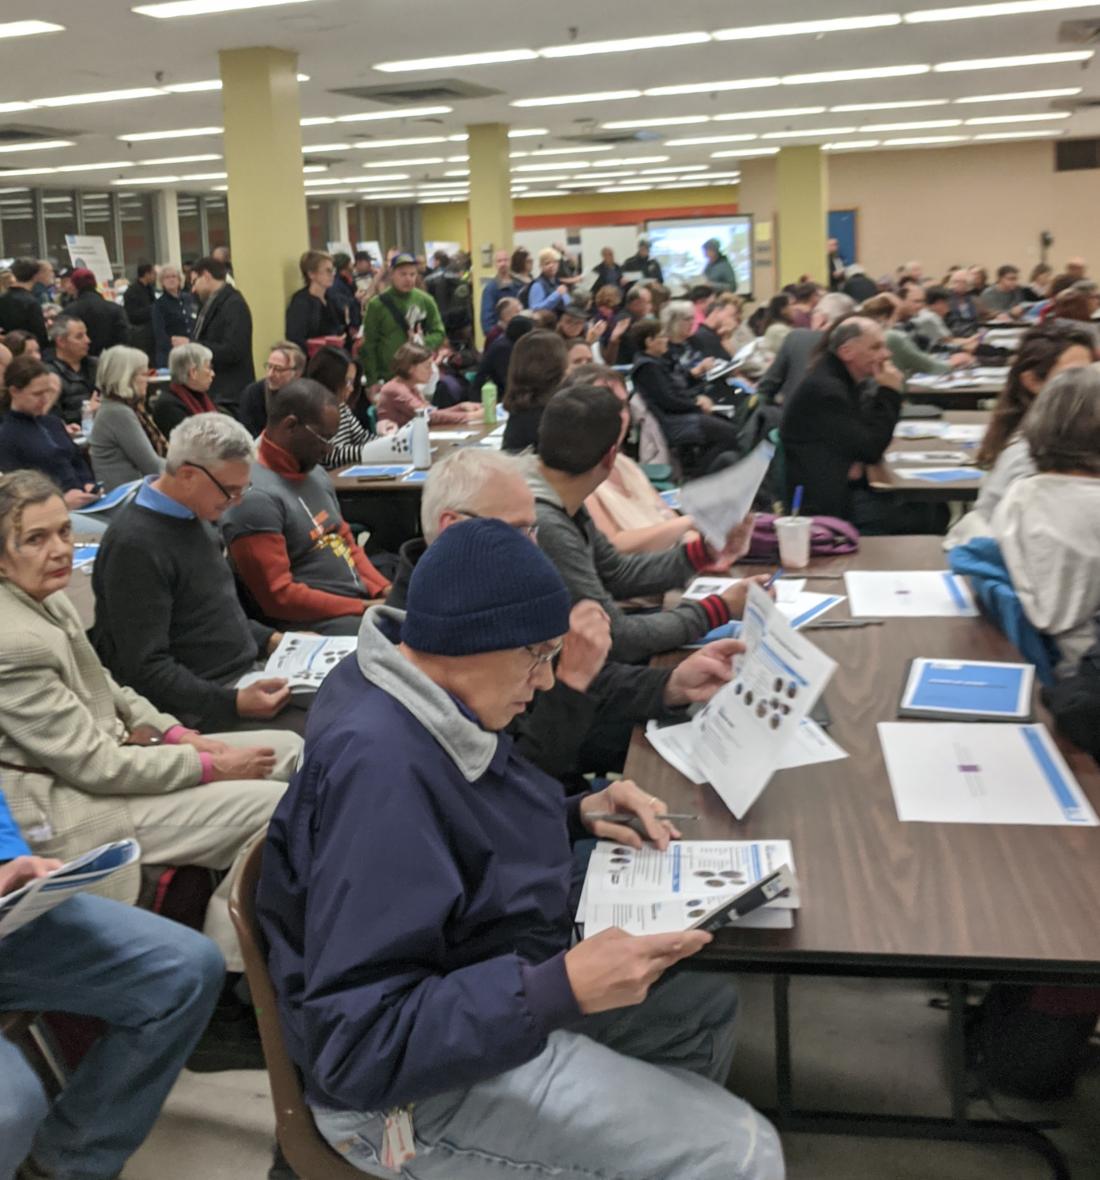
{"points": [[149, 497]]}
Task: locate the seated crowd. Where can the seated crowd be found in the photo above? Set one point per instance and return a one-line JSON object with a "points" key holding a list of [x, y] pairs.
{"points": [[422, 809]]}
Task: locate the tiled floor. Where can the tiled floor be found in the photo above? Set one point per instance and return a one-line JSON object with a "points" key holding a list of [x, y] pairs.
{"points": [[858, 1045]]}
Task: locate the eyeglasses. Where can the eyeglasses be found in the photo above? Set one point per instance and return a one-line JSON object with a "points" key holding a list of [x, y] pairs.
{"points": [[327, 439], [539, 659], [530, 531], [279, 368], [229, 495]]}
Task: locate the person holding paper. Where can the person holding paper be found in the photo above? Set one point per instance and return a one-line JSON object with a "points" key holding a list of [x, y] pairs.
{"points": [[579, 438], [415, 899], [85, 760], [154, 983], [184, 641], [831, 432]]}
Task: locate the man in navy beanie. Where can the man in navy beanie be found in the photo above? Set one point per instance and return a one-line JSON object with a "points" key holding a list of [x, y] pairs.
{"points": [[415, 899]]}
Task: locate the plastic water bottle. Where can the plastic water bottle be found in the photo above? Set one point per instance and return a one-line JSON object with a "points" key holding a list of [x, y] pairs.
{"points": [[419, 442], [87, 417], [489, 401]]}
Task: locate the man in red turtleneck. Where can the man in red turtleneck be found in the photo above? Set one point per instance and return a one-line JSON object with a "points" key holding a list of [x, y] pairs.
{"points": [[291, 547]]}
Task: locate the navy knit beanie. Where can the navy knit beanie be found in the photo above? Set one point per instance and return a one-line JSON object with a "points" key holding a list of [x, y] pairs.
{"points": [[483, 586]]}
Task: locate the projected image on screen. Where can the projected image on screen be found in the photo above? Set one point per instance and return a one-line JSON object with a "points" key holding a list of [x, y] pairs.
{"points": [[678, 247]]}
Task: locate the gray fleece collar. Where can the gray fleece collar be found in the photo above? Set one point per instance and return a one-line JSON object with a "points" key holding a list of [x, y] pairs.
{"points": [[470, 747], [540, 489]]}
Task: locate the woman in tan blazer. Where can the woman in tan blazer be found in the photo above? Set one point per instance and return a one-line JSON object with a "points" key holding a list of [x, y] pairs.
{"points": [[85, 760]]}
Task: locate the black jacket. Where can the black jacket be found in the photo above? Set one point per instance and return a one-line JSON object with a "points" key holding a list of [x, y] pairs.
{"points": [[706, 341], [225, 327], [308, 317], [494, 366], [785, 373], [77, 386], [138, 302], [252, 408], [650, 268], [566, 732], [106, 322], [1075, 703], [173, 315], [859, 288], [829, 424], [21, 312]]}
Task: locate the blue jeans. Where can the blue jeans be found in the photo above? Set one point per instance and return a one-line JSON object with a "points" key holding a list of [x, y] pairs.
{"points": [[634, 1094], [154, 982]]}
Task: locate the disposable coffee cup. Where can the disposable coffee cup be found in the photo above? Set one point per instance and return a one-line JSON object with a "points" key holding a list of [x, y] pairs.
{"points": [[793, 534]]}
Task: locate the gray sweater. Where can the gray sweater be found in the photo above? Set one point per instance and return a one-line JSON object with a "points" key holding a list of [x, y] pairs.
{"points": [[592, 568], [120, 450]]}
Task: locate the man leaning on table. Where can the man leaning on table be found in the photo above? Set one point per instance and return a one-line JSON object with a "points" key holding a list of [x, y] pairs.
{"points": [[415, 897]]}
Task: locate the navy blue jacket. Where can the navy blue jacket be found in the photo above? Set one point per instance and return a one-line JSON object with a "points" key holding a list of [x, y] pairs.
{"points": [[12, 843], [42, 444], [417, 912], [491, 294]]}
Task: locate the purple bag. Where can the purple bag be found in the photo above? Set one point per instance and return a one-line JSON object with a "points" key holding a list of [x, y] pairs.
{"points": [[829, 537]]}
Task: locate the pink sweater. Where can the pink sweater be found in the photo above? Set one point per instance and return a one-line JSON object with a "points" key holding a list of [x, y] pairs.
{"points": [[398, 402]]}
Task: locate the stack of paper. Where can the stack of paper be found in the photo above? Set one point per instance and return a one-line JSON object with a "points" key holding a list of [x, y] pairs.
{"points": [[909, 594], [961, 690], [791, 600], [645, 891], [303, 660], [375, 471], [943, 474], [920, 429]]}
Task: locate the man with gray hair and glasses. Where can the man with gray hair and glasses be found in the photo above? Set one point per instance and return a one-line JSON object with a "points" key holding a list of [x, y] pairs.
{"points": [[183, 640], [582, 723]]}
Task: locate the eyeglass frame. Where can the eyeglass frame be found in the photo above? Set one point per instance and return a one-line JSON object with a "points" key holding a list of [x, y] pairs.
{"points": [[229, 496], [530, 531], [325, 441], [541, 658]]}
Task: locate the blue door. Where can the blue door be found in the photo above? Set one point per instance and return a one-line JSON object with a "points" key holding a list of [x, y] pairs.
{"points": [[842, 226]]}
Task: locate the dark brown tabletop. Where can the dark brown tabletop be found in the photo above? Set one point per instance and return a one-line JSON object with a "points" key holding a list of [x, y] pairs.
{"points": [[884, 897], [887, 476]]}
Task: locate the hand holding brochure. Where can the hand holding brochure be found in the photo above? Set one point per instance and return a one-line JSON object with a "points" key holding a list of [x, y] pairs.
{"points": [[41, 895], [719, 502], [303, 660]]}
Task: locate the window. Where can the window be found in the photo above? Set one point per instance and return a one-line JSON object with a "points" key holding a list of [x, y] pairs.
{"points": [[99, 222], [217, 222], [138, 240], [317, 212], [18, 238], [59, 212], [187, 205]]}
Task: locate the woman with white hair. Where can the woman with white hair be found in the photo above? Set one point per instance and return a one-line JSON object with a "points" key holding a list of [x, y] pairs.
{"points": [[126, 443], [173, 314], [192, 373]]}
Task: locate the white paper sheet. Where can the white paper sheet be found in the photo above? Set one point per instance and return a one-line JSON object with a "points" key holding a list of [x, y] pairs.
{"points": [[917, 458], [742, 733], [666, 917], [719, 502], [442, 435], [304, 660], [980, 773], [920, 428], [912, 594], [964, 432]]}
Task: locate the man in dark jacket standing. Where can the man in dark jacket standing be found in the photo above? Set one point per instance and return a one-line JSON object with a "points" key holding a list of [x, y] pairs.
{"points": [[106, 322], [19, 309], [415, 896], [138, 302], [224, 325], [831, 432]]}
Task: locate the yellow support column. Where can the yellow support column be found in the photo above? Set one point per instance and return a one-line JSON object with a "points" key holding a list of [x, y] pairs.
{"points": [[490, 203], [802, 183], [267, 207]]}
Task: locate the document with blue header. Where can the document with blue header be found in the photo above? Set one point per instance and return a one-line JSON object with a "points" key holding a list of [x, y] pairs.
{"points": [[375, 471], [972, 689], [981, 773], [908, 594]]}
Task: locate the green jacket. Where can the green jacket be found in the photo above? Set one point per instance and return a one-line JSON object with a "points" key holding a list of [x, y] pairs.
{"points": [[909, 358], [382, 336]]}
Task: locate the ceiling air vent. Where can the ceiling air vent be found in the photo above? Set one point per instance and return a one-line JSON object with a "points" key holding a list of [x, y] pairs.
{"points": [[412, 93], [1076, 155]]}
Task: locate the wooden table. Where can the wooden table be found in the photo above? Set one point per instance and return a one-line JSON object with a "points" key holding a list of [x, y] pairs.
{"points": [[885, 476], [388, 508], [954, 397], [880, 897]]}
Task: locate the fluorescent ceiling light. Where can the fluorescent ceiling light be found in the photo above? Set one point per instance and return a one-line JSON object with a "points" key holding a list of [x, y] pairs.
{"points": [[625, 45], [41, 145], [456, 60], [600, 147], [518, 155], [527, 132], [149, 180], [179, 160], [1018, 135], [673, 121], [987, 120], [458, 172], [205, 176], [410, 163], [854, 107], [917, 140], [181, 133], [5, 107], [708, 87], [977, 11], [626, 188], [589, 183], [782, 113], [438, 200], [1001, 63], [398, 196], [924, 125], [699, 140], [219, 188], [855, 75], [630, 161], [93, 167], [849, 145], [458, 159], [173, 8], [316, 121], [687, 184], [461, 137], [326, 147], [550, 192], [28, 28], [603, 177], [1016, 95], [194, 87], [357, 179], [317, 192], [808, 131], [744, 153], [402, 113], [415, 141], [541, 179], [676, 168], [315, 168], [557, 166], [77, 100], [560, 100], [802, 27]]}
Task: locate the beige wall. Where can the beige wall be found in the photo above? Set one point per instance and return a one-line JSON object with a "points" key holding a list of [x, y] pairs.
{"points": [[982, 204]]}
